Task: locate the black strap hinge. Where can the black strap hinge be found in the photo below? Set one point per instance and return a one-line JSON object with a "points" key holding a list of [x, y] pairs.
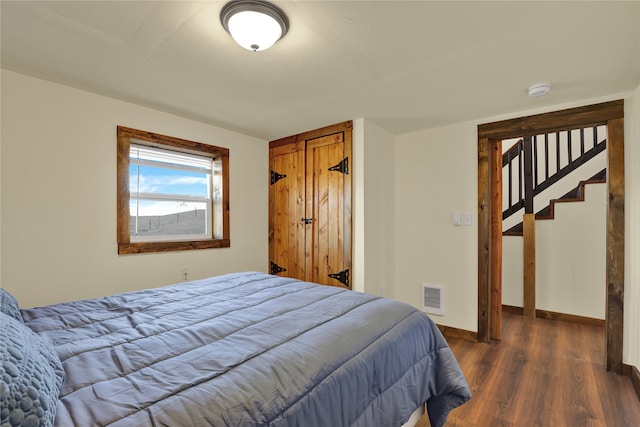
{"points": [[342, 277], [342, 167], [275, 268], [275, 177]]}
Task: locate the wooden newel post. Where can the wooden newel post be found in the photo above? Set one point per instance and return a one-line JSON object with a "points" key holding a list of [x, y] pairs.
{"points": [[529, 234], [529, 264]]}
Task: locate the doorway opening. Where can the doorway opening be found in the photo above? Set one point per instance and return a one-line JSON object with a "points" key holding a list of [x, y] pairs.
{"points": [[490, 135]]}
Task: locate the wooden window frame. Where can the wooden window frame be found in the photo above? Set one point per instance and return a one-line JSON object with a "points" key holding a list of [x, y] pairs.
{"points": [[125, 246]]}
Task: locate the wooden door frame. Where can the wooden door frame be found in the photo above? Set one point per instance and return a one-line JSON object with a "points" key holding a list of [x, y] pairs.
{"points": [[490, 255]]}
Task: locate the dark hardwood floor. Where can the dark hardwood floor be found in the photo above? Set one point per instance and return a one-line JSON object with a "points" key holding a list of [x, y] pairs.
{"points": [[545, 373]]}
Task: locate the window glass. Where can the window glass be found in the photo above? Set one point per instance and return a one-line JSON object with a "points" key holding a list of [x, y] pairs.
{"points": [[170, 195]]}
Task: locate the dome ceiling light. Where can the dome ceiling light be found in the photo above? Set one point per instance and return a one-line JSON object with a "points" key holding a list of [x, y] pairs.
{"points": [[254, 24]]}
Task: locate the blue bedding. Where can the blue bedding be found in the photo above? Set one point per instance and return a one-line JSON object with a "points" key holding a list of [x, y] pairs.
{"points": [[248, 349]]}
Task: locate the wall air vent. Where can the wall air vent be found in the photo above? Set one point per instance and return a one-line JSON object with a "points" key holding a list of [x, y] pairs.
{"points": [[433, 299]]}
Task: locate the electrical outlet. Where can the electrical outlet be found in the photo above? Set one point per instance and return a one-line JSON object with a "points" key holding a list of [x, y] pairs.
{"points": [[184, 273]]}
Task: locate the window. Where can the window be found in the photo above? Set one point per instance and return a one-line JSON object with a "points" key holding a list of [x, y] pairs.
{"points": [[172, 194]]}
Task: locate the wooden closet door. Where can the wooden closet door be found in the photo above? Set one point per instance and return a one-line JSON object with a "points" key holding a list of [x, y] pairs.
{"points": [[327, 181], [286, 209], [310, 206]]}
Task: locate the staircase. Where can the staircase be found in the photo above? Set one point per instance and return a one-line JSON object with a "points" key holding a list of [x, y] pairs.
{"points": [[544, 170], [539, 172]]}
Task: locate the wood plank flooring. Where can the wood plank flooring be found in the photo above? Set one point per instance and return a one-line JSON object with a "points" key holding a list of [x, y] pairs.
{"points": [[545, 373]]}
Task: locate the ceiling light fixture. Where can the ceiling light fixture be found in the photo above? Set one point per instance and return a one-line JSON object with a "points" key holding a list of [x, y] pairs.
{"points": [[539, 89], [254, 24]]}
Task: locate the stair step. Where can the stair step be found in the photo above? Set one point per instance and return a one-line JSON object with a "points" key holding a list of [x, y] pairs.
{"points": [[516, 230]]}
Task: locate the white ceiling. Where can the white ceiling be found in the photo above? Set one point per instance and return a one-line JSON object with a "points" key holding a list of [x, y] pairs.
{"points": [[405, 65]]}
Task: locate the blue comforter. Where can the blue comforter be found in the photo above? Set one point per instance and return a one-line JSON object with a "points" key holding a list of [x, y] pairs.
{"points": [[248, 349]]}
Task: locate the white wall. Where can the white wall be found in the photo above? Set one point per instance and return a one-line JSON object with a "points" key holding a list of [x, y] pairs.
{"points": [[0, 185], [435, 176], [570, 259], [373, 203], [59, 196], [631, 351], [357, 205], [513, 271]]}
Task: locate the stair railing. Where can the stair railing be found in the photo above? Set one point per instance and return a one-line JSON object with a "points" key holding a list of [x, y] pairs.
{"points": [[531, 159]]}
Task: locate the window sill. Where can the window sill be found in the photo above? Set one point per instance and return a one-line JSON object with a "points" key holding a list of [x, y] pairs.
{"points": [[147, 247]]}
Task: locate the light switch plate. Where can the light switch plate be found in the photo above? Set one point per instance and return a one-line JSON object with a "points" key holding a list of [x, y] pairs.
{"points": [[467, 219], [456, 218]]}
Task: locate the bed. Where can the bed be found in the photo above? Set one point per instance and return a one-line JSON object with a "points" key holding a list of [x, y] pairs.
{"points": [[243, 349]]}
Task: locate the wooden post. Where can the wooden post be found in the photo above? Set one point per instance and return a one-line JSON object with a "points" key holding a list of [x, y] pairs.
{"points": [[484, 240], [495, 321], [529, 264], [614, 321], [529, 234]]}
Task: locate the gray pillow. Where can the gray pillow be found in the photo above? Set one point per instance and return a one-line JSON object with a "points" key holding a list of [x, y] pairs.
{"points": [[9, 305], [31, 375]]}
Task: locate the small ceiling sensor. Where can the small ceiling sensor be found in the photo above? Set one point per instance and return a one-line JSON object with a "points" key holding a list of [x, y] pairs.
{"points": [[539, 89]]}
